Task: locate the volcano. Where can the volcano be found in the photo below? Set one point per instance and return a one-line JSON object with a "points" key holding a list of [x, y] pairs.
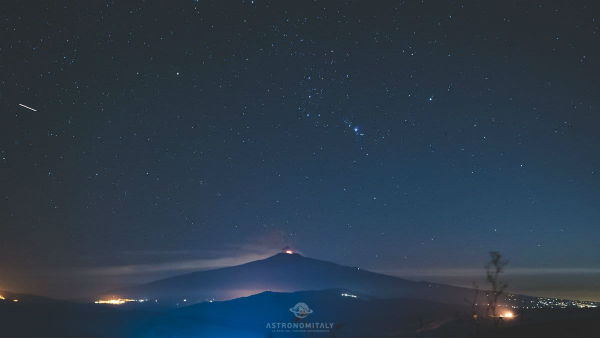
{"points": [[287, 272]]}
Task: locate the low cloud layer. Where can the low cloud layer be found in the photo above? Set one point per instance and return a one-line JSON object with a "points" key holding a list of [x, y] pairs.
{"points": [[177, 266], [474, 272]]}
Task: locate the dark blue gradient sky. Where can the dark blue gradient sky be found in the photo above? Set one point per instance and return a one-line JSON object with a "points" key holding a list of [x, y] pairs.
{"points": [[410, 137]]}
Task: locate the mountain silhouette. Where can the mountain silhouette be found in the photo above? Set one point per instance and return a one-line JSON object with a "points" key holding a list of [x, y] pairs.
{"points": [[287, 273]]}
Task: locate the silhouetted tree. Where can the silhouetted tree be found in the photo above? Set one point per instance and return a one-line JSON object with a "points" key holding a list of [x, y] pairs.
{"points": [[493, 270]]}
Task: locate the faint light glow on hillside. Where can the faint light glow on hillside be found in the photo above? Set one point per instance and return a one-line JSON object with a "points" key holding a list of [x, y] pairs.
{"points": [[344, 294], [3, 298], [289, 252]]}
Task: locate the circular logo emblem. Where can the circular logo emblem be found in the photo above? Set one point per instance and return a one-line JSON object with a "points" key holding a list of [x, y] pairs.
{"points": [[301, 310]]}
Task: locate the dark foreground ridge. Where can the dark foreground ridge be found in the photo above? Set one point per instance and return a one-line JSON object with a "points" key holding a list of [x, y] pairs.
{"points": [[340, 312]]}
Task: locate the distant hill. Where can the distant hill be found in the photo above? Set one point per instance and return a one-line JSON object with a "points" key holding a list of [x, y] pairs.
{"points": [[355, 315], [350, 316], [345, 314], [243, 317], [287, 273]]}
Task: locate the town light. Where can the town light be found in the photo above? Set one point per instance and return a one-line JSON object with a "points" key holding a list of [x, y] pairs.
{"points": [[508, 315], [117, 301]]}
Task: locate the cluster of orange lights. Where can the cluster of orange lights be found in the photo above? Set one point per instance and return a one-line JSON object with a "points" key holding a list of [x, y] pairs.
{"points": [[503, 315], [117, 301], [3, 298]]}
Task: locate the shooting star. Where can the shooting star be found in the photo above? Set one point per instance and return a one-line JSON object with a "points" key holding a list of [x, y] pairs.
{"points": [[24, 106]]}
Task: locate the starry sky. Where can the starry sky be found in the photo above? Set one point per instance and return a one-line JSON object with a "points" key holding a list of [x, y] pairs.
{"points": [[407, 137]]}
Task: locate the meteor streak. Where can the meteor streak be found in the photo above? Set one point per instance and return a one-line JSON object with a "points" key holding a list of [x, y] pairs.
{"points": [[24, 106]]}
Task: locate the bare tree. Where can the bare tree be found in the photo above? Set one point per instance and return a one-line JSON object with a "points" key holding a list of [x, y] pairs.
{"points": [[493, 270]]}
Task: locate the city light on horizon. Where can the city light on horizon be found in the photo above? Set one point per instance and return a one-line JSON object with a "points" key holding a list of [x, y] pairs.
{"points": [[118, 301]]}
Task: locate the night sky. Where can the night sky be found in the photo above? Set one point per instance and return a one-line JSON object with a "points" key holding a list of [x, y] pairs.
{"points": [[409, 138]]}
